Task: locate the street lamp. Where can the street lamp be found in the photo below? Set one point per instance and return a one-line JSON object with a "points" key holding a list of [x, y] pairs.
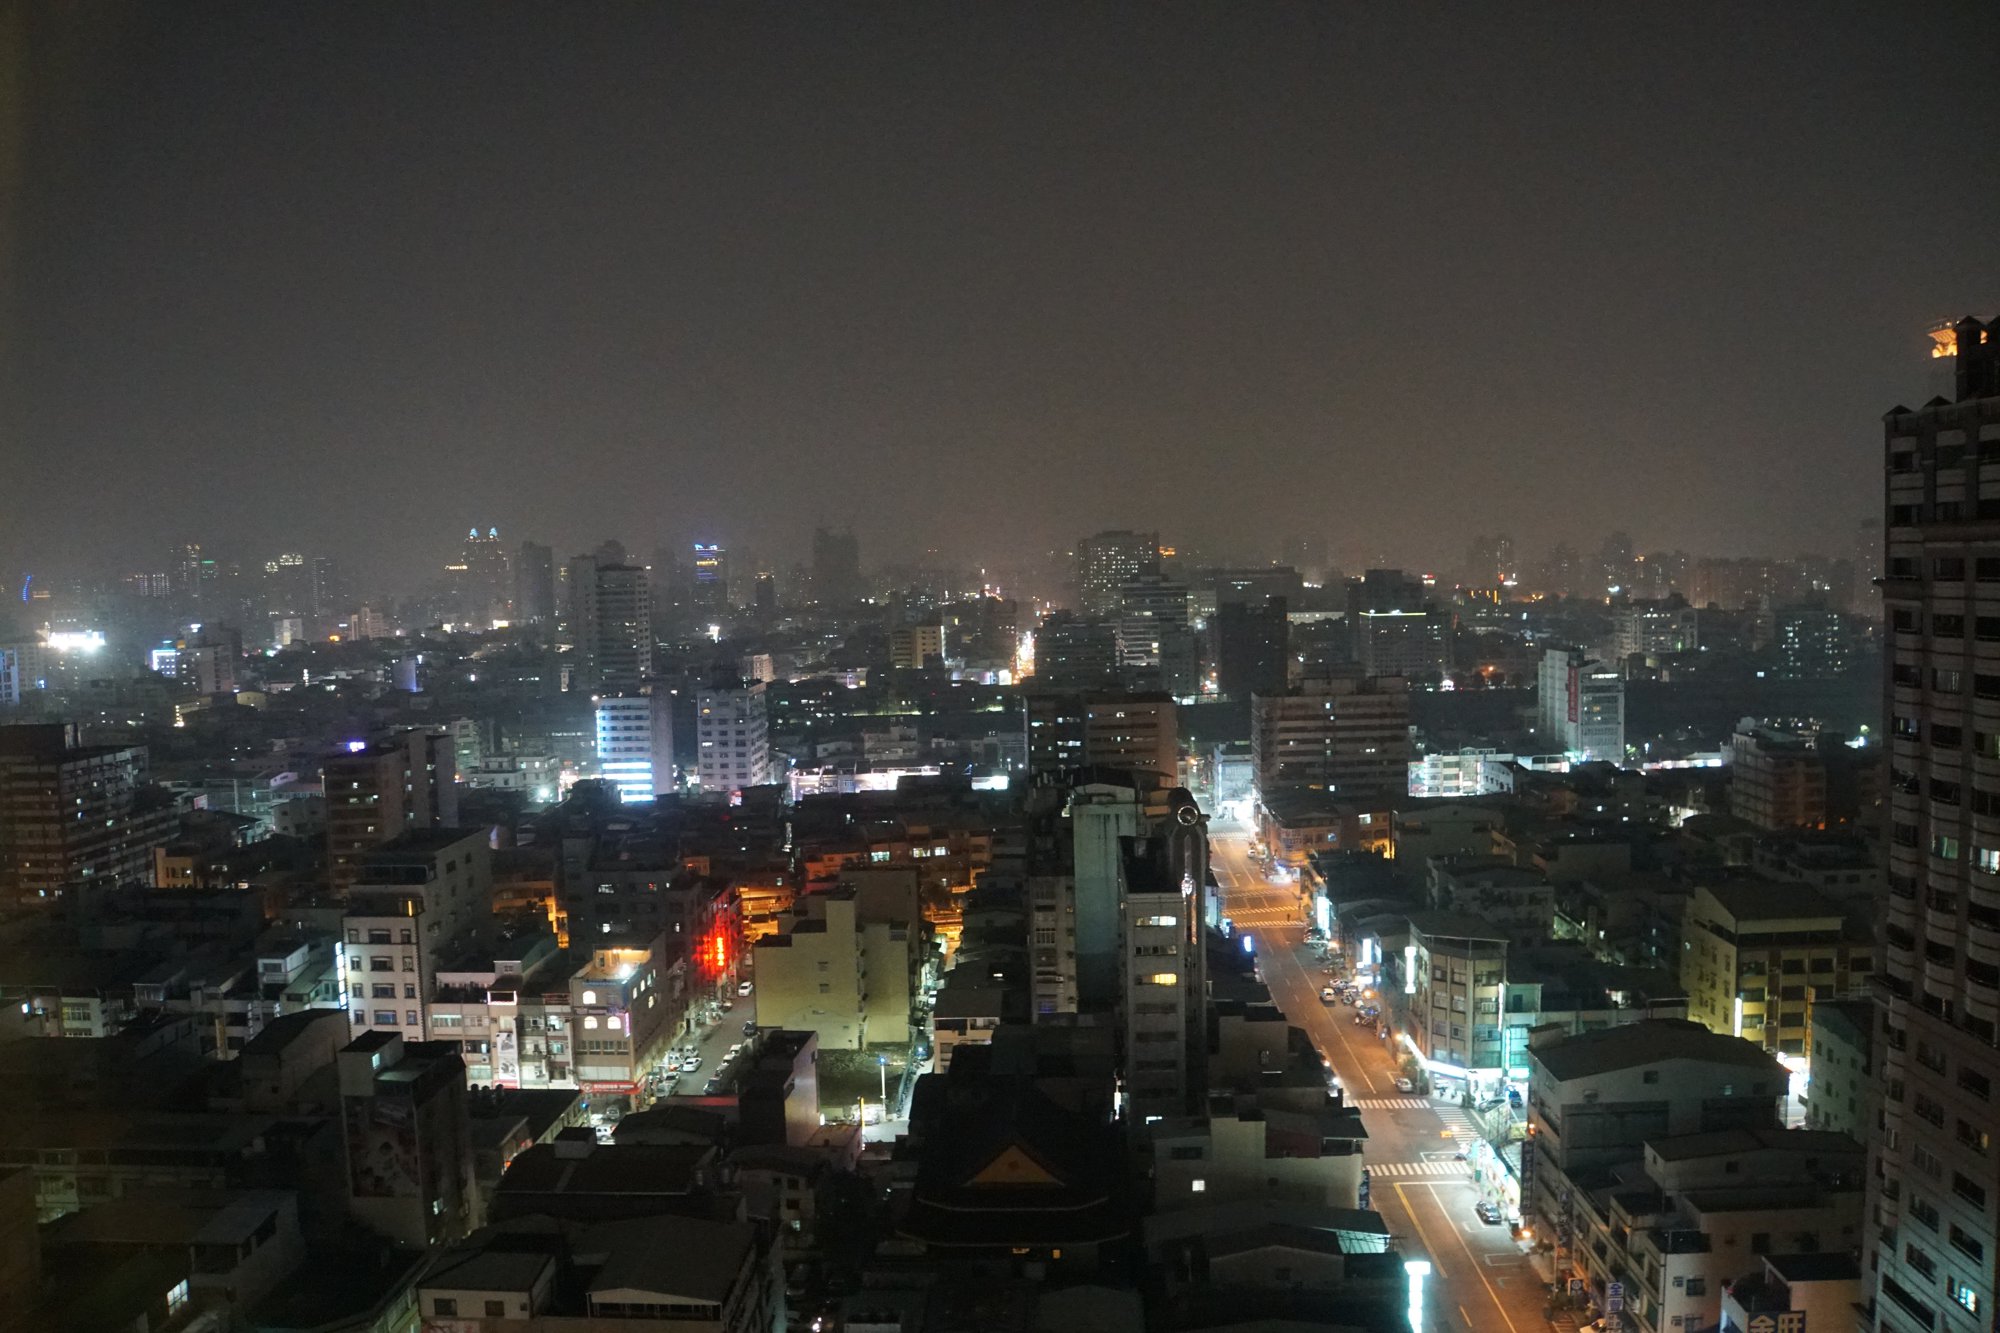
{"points": [[882, 1068]]}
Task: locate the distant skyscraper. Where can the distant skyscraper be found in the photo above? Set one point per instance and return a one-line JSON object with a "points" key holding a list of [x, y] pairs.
{"points": [[1250, 648], [1348, 735], [1491, 562], [611, 622], [1934, 1180], [483, 584], [1107, 562], [535, 584], [329, 592], [836, 567], [764, 595], [708, 594]]}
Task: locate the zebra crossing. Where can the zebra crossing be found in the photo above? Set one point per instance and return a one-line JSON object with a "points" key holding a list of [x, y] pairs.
{"points": [[1407, 1170], [1392, 1104], [1458, 1122]]}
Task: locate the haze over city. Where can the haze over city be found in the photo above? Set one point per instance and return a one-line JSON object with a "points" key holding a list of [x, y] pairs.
{"points": [[973, 278]]}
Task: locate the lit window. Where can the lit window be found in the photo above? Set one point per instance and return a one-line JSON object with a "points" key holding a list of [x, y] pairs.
{"points": [[178, 1297], [1964, 1295], [590, 1021], [590, 997], [1161, 979], [615, 1024], [1198, 1186]]}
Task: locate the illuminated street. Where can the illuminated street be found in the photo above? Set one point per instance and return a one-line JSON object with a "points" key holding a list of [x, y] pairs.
{"points": [[1479, 1278]]}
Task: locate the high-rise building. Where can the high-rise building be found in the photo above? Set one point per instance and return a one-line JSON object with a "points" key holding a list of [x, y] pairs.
{"points": [[914, 646], [635, 744], [1935, 1178], [1815, 642], [1398, 629], [74, 814], [732, 737], [1345, 734], [1153, 633], [611, 622], [378, 790], [1071, 651], [1135, 732], [1250, 648], [1582, 704], [708, 594], [329, 590], [1162, 902], [1107, 562], [836, 571], [1491, 562], [535, 584], [481, 581]]}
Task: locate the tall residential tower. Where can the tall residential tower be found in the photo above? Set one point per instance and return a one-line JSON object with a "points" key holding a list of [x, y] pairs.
{"points": [[1935, 1180]]}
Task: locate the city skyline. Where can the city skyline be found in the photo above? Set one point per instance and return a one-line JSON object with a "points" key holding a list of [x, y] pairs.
{"points": [[964, 280]]}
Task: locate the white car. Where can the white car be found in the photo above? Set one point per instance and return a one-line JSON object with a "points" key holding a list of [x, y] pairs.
{"points": [[692, 1063], [1327, 995], [744, 988], [1405, 1085]]}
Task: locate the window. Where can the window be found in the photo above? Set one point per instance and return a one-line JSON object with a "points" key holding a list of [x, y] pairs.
{"points": [[1965, 1296], [1697, 1286], [178, 1297], [385, 1018], [411, 1018], [1967, 1190], [1924, 1212], [1651, 1076], [1160, 979], [444, 1305], [1919, 1260], [496, 1309], [1967, 1245], [826, 988], [1760, 1242], [1198, 1186], [1974, 1082]]}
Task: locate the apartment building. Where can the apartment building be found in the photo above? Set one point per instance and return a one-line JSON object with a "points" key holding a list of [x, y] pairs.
{"points": [[414, 903], [1756, 954]]}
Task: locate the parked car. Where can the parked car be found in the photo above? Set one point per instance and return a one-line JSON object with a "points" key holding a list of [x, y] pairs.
{"points": [[713, 1086], [1405, 1085], [1326, 995], [690, 1064], [1489, 1212], [750, 1028], [744, 987]]}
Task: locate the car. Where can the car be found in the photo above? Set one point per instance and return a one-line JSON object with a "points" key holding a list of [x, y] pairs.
{"points": [[673, 1062], [1359, 1019], [744, 987], [732, 1052], [1326, 995], [750, 1028], [1405, 1085], [1489, 1212], [713, 1086], [692, 1063]]}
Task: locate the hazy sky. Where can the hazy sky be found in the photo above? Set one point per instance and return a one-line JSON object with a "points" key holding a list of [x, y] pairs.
{"points": [[352, 277]]}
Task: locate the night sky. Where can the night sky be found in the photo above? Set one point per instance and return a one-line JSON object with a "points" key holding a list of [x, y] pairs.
{"points": [[352, 277]]}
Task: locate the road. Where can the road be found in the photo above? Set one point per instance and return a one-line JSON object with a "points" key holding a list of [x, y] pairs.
{"points": [[1480, 1279]]}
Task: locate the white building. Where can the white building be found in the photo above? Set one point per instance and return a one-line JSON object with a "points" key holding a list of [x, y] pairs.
{"points": [[415, 900], [1582, 706], [635, 744], [733, 738]]}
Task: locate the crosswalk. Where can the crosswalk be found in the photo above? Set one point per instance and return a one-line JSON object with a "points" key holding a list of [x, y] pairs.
{"points": [[1392, 1170], [1392, 1104], [1459, 1123]]}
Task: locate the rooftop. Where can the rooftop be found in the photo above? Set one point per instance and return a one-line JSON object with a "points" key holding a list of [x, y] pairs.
{"points": [[1742, 1142], [1655, 1041], [1755, 899]]}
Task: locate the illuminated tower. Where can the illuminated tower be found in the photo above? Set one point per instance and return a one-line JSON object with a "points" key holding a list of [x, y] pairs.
{"points": [[1935, 1180], [709, 593], [611, 622]]}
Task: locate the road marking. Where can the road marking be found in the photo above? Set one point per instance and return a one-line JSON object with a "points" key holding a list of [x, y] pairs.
{"points": [[1492, 1295], [1392, 1104], [1458, 1169], [1437, 1267]]}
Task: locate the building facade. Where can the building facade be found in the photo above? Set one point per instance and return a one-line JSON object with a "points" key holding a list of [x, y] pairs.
{"points": [[1935, 1179]]}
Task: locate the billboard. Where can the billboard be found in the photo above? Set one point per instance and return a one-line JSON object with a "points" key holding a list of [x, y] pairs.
{"points": [[506, 1058], [382, 1157]]}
